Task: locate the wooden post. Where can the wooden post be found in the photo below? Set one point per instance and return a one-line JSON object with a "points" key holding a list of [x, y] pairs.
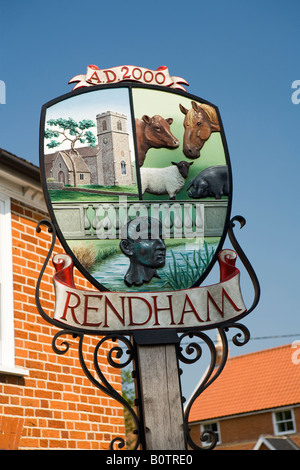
{"points": [[160, 391]]}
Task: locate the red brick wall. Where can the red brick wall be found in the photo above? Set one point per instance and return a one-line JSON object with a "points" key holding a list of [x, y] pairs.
{"points": [[59, 406], [242, 433], [247, 427]]}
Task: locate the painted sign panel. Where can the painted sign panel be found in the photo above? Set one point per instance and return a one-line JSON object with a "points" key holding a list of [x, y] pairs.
{"points": [[138, 184]]}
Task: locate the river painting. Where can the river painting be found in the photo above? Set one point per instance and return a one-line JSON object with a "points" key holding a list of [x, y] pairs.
{"points": [[184, 265]]}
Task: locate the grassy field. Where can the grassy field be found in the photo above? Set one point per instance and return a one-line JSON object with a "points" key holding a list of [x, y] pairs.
{"points": [[66, 195]]}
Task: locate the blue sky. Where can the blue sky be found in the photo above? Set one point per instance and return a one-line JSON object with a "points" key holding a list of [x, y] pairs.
{"points": [[241, 56]]}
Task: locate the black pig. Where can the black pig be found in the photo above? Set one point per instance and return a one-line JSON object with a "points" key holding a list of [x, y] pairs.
{"points": [[211, 182]]}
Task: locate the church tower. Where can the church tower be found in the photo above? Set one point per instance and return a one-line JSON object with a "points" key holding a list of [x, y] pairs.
{"points": [[114, 160]]}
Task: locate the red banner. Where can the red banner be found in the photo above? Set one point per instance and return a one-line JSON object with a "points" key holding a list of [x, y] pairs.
{"points": [[106, 311]]}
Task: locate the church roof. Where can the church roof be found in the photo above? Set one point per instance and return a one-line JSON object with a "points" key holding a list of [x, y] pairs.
{"points": [[83, 151], [86, 151], [79, 163]]}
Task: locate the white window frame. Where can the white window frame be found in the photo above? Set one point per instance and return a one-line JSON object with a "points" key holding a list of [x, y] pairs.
{"points": [[7, 336], [275, 422], [202, 428]]}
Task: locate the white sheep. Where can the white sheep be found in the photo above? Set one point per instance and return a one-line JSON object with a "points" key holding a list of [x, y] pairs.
{"points": [[169, 180]]}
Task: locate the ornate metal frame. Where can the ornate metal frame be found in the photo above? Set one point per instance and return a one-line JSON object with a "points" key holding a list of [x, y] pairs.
{"points": [[117, 352]]}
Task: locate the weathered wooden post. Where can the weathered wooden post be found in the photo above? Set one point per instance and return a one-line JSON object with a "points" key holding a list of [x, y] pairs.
{"points": [[160, 391], [145, 253]]}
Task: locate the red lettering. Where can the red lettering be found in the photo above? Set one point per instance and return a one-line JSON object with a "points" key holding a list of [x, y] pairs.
{"points": [[156, 309], [71, 307], [114, 310], [221, 311], [86, 308], [131, 313], [192, 309], [108, 78], [139, 72], [151, 75], [126, 74], [94, 77], [161, 81]]}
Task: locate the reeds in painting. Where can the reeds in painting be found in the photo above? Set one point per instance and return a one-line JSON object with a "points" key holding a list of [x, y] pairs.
{"points": [[184, 275]]}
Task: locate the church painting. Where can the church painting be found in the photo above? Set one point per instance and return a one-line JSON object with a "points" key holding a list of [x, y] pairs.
{"points": [[109, 165], [90, 144]]}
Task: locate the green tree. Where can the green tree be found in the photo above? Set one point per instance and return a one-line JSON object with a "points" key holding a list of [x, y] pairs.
{"points": [[73, 132], [128, 394]]}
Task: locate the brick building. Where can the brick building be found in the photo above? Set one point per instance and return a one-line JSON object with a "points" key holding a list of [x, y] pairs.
{"points": [[254, 404], [107, 164], [46, 401]]}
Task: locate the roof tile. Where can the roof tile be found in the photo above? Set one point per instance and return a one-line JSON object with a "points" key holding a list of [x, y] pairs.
{"points": [[251, 382]]}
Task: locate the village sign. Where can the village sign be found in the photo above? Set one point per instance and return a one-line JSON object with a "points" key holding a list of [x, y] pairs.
{"points": [[137, 178], [138, 183]]}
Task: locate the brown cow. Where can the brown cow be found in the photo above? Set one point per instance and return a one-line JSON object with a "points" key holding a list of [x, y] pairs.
{"points": [[199, 122], [153, 132]]}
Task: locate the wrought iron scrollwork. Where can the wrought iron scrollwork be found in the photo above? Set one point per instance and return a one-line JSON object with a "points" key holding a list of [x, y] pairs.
{"points": [[114, 355], [189, 355], [244, 259], [64, 346], [98, 379], [102, 383], [217, 364], [51, 229]]}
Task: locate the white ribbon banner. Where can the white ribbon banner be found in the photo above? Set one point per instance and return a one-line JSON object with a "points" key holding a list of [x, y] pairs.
{"points": [[106, 311], [96, 76]]}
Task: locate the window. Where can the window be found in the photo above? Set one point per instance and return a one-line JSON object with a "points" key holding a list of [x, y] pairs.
{"points": [[119, 125], [81, 176], [7, 341], [104, 126], [284, 422], [212, 427], [123, 168]]}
